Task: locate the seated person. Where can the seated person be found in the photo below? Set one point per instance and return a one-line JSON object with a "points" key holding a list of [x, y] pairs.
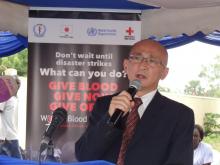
{"points": [[202, 151]]}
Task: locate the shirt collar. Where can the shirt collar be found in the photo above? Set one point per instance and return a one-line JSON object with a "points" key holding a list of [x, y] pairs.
{"points": [[146, 99]]}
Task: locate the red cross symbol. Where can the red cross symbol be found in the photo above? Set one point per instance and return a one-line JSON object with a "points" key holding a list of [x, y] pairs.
{"points": [[66, 29], [129, 31]]}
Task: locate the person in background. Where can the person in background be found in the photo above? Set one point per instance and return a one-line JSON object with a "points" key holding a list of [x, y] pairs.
{"points": [[8, 126], [8, 87], [202, 151], [164, 128]]}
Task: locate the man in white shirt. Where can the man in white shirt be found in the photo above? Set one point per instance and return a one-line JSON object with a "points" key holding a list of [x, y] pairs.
{"points": [[8, 127]]}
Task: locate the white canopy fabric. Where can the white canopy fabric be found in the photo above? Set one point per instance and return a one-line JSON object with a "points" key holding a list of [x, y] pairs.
{"points": [[162, 22], [157, 22], [13, 18]]}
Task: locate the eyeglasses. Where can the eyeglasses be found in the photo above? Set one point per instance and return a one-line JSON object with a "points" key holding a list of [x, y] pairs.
{"points": [[149, 60]]}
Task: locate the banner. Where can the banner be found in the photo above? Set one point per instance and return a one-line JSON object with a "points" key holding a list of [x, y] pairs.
{"points": [[74, 57]]}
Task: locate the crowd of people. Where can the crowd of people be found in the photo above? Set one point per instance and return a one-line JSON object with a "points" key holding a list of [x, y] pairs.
{"points": [[158, 131]]}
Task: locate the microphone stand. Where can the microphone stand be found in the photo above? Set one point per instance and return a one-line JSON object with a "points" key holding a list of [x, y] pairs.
{"points": [[48, 150]]}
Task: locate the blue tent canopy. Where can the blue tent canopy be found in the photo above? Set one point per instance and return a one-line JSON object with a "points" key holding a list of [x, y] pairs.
{"points": [[11, 44], [97, 4], [171, 42]]}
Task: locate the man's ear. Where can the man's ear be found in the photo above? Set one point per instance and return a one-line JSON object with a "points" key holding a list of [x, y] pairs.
{"points": [[125, 65], [164, 73]]}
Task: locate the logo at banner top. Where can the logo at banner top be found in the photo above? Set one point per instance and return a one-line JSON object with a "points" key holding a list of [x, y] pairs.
{"points": [[129, 34], [39, 30], [92, 31], [67, 29], [129, 31]]}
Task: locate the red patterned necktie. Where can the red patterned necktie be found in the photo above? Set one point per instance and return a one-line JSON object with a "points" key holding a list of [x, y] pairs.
{"points": [[131, 123]]}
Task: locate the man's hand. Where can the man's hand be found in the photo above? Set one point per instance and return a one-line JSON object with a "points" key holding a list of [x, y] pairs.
{"points": [[122, 102]]}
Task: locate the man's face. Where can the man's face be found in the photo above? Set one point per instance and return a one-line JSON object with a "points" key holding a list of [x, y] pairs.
{"points": [[196, 138], [147, 63]]}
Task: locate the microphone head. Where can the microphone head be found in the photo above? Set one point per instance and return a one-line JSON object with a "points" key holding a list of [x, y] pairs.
{"points": [[135, 84], [61, 114], [59, 117]]}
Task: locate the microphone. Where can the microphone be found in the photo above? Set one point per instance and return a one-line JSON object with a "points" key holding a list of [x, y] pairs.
{"points": [[134, 86], [59, 117]]}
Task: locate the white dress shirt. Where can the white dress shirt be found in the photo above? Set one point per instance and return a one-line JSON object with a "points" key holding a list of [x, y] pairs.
{"points": [[146, 99]]}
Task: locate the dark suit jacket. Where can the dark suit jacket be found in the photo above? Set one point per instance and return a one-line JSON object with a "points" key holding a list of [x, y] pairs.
{"points": [[162, 137]]}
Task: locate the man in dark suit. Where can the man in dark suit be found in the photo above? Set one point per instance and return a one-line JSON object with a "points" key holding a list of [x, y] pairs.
{"points": [[163, 135]]}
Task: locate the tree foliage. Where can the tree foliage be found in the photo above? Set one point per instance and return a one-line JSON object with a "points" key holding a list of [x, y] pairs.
{"points": [[194, 88], [163, 89], [211, 76], [211, 124], [18, 61]]}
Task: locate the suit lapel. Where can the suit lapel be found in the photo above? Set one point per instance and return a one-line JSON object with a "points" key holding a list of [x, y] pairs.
{"points": [[148, 119]]}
